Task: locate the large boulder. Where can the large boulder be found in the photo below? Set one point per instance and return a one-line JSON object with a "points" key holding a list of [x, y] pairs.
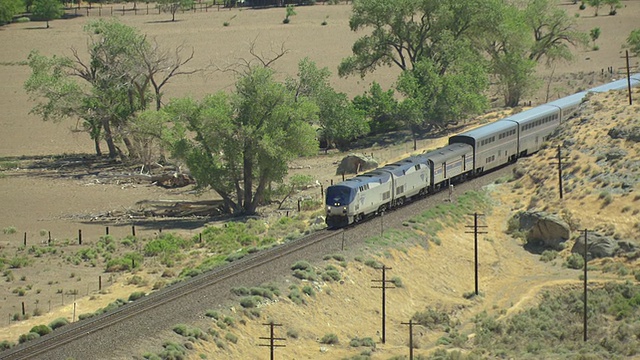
{"points": [[355, 163], [599, 246], [542, 228]]}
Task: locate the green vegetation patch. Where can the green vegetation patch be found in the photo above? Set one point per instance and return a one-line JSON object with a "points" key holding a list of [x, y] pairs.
{"points": [[555, 329]]}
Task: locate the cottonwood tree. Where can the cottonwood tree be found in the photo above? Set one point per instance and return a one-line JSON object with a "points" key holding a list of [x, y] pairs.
{"points": [[444, 98], [9, 8], [238, 144], [172, 6], [525, 37], [47, 10], [380, 108], [107, 90], [596, 5], [431, 42], [614, 5], [339, 121]]}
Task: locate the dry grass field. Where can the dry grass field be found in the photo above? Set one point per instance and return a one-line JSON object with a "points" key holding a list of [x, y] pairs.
{"points": [[60, 197]]}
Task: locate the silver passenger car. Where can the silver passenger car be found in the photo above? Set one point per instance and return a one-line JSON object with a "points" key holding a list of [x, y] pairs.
{"points": [[448, 164], [534, 127], [494, 144]]}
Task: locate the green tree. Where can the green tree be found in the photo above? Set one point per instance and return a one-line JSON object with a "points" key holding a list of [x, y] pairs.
{"points": [[443, 99], [596, 5], [9, 8], [509, 48], [515, 53], [172, 6], [47, 10], [125, 74], [380, 108], [237, 144], [405, 32], [633, 41], [290, 11], [614, 5], [594, 34], [338, 120], [553, 31]]}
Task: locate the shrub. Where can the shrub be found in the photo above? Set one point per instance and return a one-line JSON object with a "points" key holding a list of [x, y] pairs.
{"points": [[331, 275], [330, 339], [249, 301], [6, 344], [231, 338], [431, 318], [19, 262], [397, 281], [356, 342], [373, 263], [548, 255], [190, 332], [58, 323], [308, 289], [296, 296], [28, 337], [41, 330], [301, 265], [575, 261], [293, 333], [9, 230], [213, 314], [137, 295]]}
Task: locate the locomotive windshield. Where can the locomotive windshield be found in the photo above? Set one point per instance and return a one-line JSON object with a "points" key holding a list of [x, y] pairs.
{"points": [[340, 195]]}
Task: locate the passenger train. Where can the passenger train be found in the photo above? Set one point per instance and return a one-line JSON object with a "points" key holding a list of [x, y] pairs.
{"points": [[468, 154]]}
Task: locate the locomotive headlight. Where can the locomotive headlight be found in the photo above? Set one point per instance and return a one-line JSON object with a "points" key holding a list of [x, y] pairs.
{"points": [[328, 208]]}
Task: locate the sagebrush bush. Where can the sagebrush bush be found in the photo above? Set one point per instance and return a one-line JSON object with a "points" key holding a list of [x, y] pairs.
{"points": [[58, 323], [137, 295], [330, 339], [575, 261]]}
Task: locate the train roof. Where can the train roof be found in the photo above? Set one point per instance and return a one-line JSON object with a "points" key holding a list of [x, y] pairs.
{"points": [[569, 101], [374, 176], [617, 85], [398, 168], [485, 130], [534, 113], [450, 151]]}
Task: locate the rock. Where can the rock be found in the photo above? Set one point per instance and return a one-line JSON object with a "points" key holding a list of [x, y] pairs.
{"points": [[615, 153], [355, 163], [319, 220], [599, 245], [544, 228], [626, 246], [323, 349], [626, 133]]}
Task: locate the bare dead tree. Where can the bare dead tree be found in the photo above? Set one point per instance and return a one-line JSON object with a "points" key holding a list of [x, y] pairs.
{"points": [[161, 65], [242, 66]]}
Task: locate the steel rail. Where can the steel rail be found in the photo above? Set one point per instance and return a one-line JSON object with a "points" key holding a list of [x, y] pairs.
{"points": [[83, 328]]}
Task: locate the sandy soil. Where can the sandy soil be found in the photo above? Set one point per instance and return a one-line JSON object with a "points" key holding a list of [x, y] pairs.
{"points": [[46, 201]]}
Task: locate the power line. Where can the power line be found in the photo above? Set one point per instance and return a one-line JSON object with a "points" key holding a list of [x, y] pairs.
{"points": [[475, 233]]}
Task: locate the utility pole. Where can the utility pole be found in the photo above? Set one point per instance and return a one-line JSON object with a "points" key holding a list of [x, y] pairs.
{"points": [[559, 164], [475, 233], [384, 287], [584, 315], [410, 323], [628, 78], [560, 170], [272, 339]]}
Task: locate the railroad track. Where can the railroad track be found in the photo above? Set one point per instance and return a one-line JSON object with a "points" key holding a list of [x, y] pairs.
{"points": [[75, 331], [141, 319]]}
